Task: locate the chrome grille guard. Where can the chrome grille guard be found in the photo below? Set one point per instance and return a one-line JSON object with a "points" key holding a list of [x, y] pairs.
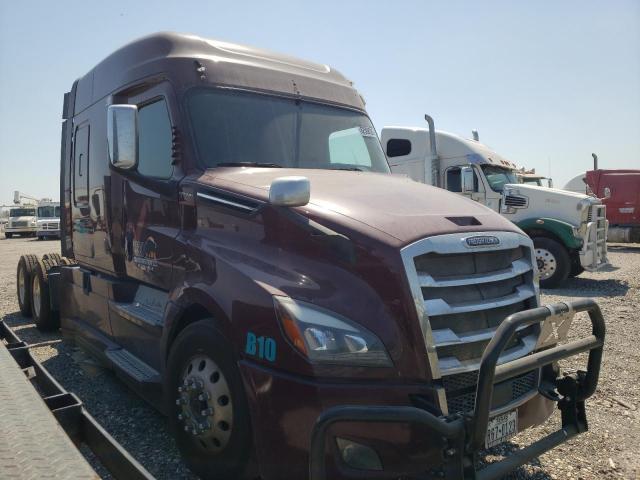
{"points": [[461, 437]]}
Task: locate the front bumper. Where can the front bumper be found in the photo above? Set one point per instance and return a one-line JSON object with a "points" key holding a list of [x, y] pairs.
{"points": [[48, 233], [20, 229], [457, 439]]}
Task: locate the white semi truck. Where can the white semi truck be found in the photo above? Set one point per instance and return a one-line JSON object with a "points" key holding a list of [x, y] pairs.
{"points": [[48, 221], [568, 229]]}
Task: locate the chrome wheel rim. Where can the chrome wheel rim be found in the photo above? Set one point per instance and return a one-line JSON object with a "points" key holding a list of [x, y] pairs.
{"points": [[205, 404], [35, 295], [547, 263], [21, 286]]}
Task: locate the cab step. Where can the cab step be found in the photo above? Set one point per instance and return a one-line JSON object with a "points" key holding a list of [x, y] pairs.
{"points": [[133, 367]]}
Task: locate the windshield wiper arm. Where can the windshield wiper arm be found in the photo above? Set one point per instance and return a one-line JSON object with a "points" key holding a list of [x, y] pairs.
{"points": [[248, 164]]}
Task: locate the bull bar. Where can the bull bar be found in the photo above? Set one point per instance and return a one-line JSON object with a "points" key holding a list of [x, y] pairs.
{"points": [[463, 435]]}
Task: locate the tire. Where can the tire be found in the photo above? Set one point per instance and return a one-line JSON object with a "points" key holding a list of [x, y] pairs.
{"points": [[8, 235], [54, 257], [576, 268], [553, 261], [44, 318], [24, 273], [214, 453]]}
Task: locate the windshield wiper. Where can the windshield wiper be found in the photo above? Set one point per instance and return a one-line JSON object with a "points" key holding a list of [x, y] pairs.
{"points": [[248, 164]]}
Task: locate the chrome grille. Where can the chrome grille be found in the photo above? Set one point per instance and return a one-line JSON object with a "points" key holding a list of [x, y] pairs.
{"points": [[19, 224], [515, 201], [463, 293]]}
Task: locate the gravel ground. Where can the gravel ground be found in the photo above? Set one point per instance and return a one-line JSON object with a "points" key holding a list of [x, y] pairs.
{"points": [[610, 450]]}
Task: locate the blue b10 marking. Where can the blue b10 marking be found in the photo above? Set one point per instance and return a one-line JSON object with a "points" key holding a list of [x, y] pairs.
{"points": [[261, 347]]}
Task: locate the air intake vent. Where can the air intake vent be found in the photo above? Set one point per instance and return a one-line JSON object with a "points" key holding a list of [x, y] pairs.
{"points": [[515, 201], [240, 204]]}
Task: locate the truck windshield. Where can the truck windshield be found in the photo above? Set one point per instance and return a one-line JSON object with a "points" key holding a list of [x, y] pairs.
{"points": [[22, 212], [242, 128], [48, 212], [498, 177]]}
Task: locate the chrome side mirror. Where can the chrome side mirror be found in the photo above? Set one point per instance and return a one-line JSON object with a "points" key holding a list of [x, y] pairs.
{"points": [[467, 176], [607, 193], [122, 135], [290, 191]]}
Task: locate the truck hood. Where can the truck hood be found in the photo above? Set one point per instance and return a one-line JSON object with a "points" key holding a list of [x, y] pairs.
{"points": [[383, 205], [550, 202]]}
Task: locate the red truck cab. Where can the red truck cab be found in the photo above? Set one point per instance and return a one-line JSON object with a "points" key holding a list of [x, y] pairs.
{"points": [[620, 192]]}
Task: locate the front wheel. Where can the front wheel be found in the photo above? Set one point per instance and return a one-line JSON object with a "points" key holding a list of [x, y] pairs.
{"points": [[208, 410], [8, 235], [554, 263]]}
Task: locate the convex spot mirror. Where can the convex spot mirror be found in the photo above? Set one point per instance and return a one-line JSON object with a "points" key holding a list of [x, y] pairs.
{"points": [[466, 174], [122, 135], [290, 191]]}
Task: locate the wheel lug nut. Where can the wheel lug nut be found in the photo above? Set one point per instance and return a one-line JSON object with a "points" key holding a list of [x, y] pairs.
{"points": [[180, 416], [206, 412]]}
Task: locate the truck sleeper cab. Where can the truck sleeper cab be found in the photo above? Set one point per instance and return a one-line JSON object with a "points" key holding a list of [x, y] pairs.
{"points": [[245, 262], [569, 230]]}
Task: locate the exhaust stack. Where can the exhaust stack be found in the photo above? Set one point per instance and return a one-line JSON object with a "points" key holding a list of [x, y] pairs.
{"points": [[595, 161], [475, 135], [435, 161]]}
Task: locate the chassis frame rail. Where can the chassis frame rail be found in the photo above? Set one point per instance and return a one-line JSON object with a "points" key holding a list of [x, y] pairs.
{"points": [[465, 435], [70, 413]]}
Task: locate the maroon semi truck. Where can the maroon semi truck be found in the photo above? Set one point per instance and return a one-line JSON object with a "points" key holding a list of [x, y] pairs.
{"points": [[234, 247]]}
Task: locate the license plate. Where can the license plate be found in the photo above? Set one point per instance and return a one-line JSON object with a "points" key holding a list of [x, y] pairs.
{"points": [[501, 428]]}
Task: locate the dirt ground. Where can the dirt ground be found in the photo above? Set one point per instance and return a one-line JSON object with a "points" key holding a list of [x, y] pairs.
{"points": [[610, 450]]}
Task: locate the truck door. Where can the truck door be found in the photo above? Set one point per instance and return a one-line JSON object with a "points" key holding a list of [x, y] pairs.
{"points": [[150, 223], [81, 224], [150, 195], [453, 183]]}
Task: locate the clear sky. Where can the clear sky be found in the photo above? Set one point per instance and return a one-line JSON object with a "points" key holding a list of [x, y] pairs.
{"points": [[546, 83]]}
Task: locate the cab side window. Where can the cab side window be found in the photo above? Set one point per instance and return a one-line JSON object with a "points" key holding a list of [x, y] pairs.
{"points": [[154, 140], [454, 180], [81, 166]]}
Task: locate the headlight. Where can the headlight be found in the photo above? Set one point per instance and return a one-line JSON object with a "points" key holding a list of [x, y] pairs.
{"points": [[326, 337]]}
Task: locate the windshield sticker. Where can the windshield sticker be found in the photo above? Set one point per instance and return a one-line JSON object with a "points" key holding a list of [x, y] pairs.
{"points": [[367, 132]]}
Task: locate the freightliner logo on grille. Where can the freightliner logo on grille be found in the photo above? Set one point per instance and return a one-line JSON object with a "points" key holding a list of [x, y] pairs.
{"points": [[482, 241]]}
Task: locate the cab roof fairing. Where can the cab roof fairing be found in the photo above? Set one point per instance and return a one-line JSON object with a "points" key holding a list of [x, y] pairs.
{"points": [[178, 56], [450, 145]]}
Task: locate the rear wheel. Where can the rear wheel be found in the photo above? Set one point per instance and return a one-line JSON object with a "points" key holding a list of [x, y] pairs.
{"points": [[553, 262], [43, 316], [208, 411], [26, 267]]}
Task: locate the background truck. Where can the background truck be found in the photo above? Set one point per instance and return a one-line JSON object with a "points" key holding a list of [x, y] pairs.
{"points": [[48, 219], [22, 221], [568, 229], [530, 177], [234, 248], [620, 192]]}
